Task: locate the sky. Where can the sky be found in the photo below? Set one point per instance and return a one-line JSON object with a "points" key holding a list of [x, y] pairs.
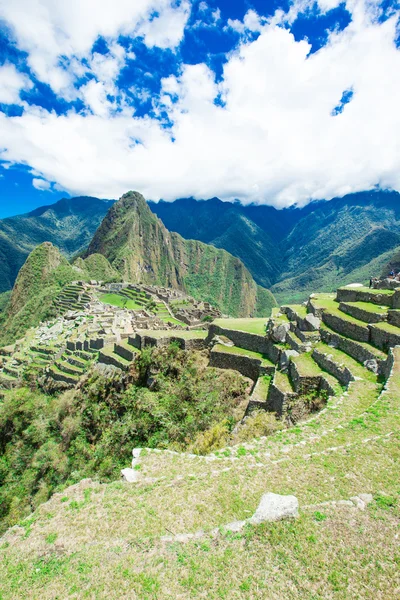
{"points": [[266, 101]]}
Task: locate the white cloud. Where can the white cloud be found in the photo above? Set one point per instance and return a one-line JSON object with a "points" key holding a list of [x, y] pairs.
{"points": [[11, 84], [41, 184], [274, 140], [54, 32]]}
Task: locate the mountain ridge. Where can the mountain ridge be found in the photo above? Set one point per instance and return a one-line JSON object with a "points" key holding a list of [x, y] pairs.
{"points": [[69, 224], [139, 246]]}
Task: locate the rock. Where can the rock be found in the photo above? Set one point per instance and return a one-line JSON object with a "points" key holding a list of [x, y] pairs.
{"points": [[278, 332], [285, 357], [235, 526], [135, 454], [130, 475], [362, 500], [372, 365], [311, 322], [274, 507]]}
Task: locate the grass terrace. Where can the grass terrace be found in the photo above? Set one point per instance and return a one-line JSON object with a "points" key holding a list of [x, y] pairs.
{"points": [[248, 325], [369, 307], [242, 352], [199, 334], [120, 301], [369, 290]]}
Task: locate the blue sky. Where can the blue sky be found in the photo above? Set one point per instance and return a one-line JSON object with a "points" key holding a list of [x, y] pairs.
{"points": [[265, 101]]}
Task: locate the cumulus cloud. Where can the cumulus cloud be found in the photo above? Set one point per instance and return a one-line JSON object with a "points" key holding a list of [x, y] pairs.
{"points": [[55, 32], [269, 131], [11, 84], [41, 184]]}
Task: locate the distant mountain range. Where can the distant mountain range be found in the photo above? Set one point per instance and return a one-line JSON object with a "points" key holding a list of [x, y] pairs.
{"points": [[293, 251], [297, 251], [68, 224], [130, 244]]}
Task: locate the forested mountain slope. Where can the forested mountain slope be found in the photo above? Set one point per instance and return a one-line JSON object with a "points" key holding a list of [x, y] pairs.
{"points": [[69, 224]]}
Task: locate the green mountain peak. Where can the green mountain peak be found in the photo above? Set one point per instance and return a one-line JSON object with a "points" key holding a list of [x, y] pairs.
{"points": [[142, 250]]}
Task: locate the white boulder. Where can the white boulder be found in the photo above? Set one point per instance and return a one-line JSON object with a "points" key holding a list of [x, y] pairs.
{"points": [[274, 507]]}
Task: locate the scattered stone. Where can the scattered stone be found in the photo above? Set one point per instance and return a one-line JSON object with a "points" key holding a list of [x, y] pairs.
{"points": [[135, 454], [235, 526], [274, 507]]}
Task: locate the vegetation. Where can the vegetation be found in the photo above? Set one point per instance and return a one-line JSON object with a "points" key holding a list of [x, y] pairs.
{"points": [[256, 326], [294, 252], [131, 237], [48, 442], [120, 301], [68, 224]]}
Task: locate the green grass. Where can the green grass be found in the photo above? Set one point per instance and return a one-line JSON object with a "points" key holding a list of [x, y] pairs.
{"points": [[248, 325], [299, 309], [387, 327], [306, 366], [187, 335], [282, 381], [369, 290], [172, 320], [120, 301], [368, 307], [332, 307], [110, 534], [242, 352], [261, 389]]}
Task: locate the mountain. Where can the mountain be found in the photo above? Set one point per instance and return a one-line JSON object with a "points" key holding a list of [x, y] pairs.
{"points": [[45, 272], [140, 247], [69, 224], [251, 233], [291, 251], [338, 242], [294, 251]]}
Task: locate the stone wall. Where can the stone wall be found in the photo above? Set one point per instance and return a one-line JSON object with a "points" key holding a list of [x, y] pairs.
{"points": [[388, 366], [246, 365], [143, 340], [350, 347], [242, 339], [383, 339], [277, 400], [361, 314], [111, 360], [327, 362], [394, 317], [359, 333], [396, 299], [301, 384], [248, 341], [356, 295], [124, 352]]}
